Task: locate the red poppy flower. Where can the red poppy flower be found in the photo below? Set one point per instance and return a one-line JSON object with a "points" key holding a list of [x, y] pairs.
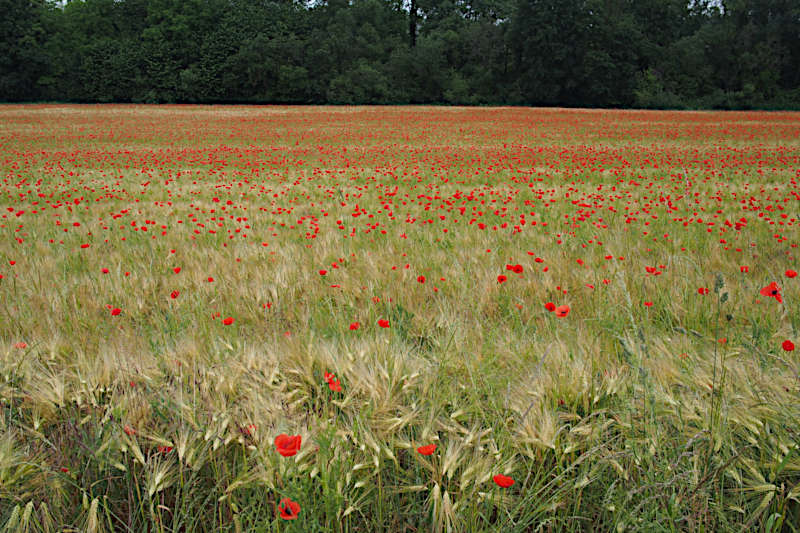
{"points": [[503, 481], [116, 311], [21, 345], [773, 291], [550, 306], [744, 269], [517, 269], [501, 278], [104, 271], [174, 294], [383, 323], [702, 290], [333, 383], [177, 270], [648, 304], [129, 431], [428, 449], [228, 321], [787, 345], [289, 510], [210, 279], [354, 326], [791, 273], [421, 279], [287, 445], [562, 311], [323, 272]]}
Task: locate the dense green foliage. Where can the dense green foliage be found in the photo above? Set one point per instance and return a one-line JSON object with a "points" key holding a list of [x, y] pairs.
{"points": [[644, 53]]}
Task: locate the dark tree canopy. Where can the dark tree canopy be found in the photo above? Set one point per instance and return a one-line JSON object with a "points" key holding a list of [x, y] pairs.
{"points": [[609, 53]]}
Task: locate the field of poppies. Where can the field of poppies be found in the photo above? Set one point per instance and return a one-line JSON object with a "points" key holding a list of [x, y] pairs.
{"points": [[398, 319]]}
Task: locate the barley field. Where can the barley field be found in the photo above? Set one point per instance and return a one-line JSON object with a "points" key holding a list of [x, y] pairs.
{"points": [[400, 319]]}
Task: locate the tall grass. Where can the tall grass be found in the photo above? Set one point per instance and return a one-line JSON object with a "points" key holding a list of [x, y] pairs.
{"points": [[680, 416]]}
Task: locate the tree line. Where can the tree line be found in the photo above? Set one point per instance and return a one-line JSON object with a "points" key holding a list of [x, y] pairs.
{"points": [[724, 54]]}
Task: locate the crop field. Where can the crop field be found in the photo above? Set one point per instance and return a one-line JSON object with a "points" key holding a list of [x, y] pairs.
{"points": [[398, 319]]}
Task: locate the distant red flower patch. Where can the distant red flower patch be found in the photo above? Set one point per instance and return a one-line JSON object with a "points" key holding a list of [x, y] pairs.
{"points": [[383, 323]]}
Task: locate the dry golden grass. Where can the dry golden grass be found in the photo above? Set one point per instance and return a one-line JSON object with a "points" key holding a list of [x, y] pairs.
{"points": [[618, 416]]}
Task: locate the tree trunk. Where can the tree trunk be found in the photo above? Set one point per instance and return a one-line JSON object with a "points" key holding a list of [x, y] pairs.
{"points": [[412, 23]]}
